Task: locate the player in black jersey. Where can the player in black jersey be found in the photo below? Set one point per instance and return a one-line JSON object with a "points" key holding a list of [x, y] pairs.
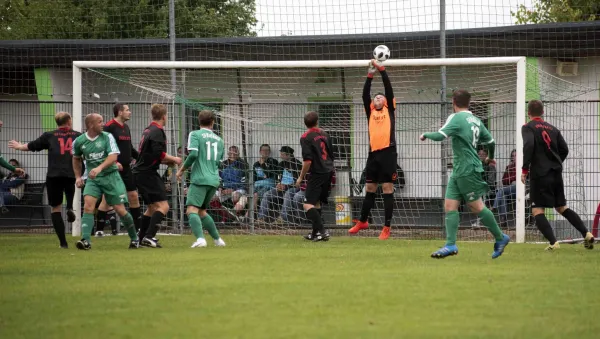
{"points": [[544, 151], [120, 131], [152, 153], [317, 153], [60, 178]]}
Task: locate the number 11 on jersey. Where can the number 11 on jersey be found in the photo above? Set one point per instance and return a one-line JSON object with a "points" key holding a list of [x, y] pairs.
{"points": [[208, 152]]}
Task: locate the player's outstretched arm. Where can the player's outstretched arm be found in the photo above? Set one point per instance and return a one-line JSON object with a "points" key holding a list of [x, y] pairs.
{"points": [[449, 129], [6, 164], [13, 144], [366, 95], [435, 136], [387, 84]]}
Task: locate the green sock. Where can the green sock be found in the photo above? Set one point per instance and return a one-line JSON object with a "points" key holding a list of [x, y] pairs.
{"points": [[487, 217], [452, 221], [196, 225], [87, 223], [209, 224], [127, 221]]}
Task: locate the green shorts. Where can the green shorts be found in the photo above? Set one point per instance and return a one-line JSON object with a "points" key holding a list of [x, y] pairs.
{"points": [[111, 185], [200, 196], [468, 188]]}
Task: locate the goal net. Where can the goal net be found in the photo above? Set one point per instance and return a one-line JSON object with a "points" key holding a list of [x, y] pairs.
{"points": [[260, 109]]}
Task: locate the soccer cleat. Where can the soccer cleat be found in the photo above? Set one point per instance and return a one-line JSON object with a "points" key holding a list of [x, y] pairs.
{"points": [[219, 242], [114, 232], [445, 251], [64, 247], [134, 244], [309, 236], [385, 233], [588, 242], [99, 234], [552, 247], [200, 242], [71, 216], [321, 237], [499, 246], [83, 245], [151, 242], [359, 226]]}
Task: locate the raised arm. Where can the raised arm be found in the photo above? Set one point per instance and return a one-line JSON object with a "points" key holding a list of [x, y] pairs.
{"points": [[366, 96]]}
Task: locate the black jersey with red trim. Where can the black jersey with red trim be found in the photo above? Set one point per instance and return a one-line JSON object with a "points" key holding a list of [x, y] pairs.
{"points": [[317, 148], [59, 144], [544, 148], [152, 149], [122, 136], [382, 122]]}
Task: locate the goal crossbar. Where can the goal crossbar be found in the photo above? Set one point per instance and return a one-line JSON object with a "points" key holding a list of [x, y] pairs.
{"points": [[297, 64], [520, 108]]}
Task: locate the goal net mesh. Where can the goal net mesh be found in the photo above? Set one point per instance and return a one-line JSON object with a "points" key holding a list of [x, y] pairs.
{"points": [[265, 106]]}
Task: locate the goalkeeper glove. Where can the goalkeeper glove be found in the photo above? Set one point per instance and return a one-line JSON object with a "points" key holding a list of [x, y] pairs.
{"points": [[372, 70], [378, 65]]}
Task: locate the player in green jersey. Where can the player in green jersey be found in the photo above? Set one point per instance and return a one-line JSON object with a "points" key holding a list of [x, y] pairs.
{"points": [[7, 165], [465, 182], [206, 152], [99, 151]]}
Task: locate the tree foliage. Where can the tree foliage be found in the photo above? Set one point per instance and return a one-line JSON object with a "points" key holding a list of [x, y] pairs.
{"points": [[546, 11], [124, 19]]}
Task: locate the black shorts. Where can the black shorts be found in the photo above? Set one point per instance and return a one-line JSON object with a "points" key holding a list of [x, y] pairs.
{"points": [[56, 186], [548, 191], [127, 177], [381, 166], [317, 188], [151, 187]]}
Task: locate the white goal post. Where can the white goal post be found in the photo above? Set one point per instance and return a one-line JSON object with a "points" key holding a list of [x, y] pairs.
{"points": [[520, 88]]}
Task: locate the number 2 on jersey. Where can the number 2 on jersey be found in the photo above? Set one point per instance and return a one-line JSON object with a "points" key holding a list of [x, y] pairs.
{"points": [[65, 147], [475, 131], [208, 153]]}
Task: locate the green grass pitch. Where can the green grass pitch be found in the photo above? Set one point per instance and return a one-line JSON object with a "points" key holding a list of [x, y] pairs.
{"points": [[284, 287]]}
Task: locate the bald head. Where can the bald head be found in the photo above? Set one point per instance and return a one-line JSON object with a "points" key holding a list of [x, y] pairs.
{"points": [[94, 123], [63, 119], [311, 119]]}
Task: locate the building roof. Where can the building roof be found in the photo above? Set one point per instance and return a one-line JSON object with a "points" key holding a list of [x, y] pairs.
{"points": [[558, 40]]}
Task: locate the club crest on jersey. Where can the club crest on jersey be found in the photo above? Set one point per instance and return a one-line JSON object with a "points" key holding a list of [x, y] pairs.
{"points": [[98, 144], [471, 195]]}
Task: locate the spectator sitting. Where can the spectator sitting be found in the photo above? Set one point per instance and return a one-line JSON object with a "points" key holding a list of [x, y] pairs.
{"points": [[290, 170], [509, 189], [489, 176], [12, 188], [292, 210], [234, 181], [265, 170]]}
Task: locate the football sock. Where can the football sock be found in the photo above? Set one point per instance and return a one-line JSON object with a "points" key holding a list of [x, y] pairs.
{"points": [[196, 225], [487, 218], [136, 213], [100, 220], [59, 227], [127, 221], [87, 223], [575, 220], [111, 218], [388, 207], [315, 218], [209, 224], [144, 226], [452, 221], [155, 220], [544, 226], [367, 205]]}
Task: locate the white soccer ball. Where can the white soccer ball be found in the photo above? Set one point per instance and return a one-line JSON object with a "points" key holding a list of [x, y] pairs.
{"points": [[381, 53]]}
